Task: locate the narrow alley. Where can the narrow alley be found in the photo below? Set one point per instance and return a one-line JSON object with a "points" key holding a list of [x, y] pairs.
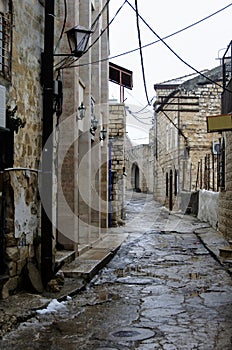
{"points": [[162, 290]]}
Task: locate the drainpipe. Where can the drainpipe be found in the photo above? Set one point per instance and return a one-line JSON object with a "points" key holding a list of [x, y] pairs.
{"points": [[47, 156]]}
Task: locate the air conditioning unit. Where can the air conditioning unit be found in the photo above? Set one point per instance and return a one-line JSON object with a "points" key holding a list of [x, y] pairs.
{"points": [[2, 106], [216, 147]]}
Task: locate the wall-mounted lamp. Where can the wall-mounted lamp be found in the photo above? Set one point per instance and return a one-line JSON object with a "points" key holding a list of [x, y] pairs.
{"points": [[78, 38], [81, 111], [103, 134], [94, 125]]}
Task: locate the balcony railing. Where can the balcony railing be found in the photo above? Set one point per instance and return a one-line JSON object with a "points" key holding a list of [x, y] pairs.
{"points": [[227, 80]]}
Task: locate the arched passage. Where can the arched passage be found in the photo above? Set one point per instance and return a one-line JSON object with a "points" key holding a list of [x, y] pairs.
{"points": [[135, 177]]}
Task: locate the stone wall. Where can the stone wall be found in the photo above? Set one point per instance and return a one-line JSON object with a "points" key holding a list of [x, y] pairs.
{"points": [[117, 128], [21, 184], [140, 156], [22, 225], [178, 152], [225, 199]]}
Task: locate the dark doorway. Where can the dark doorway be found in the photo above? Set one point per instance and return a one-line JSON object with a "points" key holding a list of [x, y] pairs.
{"points": [[135, 177], [170, 190]]}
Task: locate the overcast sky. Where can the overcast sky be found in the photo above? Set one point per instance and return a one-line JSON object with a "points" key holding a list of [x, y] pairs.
{"points": [[199, 46]]}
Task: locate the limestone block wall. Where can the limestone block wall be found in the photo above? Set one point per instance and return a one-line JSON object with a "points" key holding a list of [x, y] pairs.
{"points": [[22, 212], [178, 153], [117, 128], [225, 198], [83, 167], [140, 156]]}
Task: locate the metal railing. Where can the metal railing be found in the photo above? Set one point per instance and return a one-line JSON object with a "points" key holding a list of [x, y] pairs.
{"points": [[211, 170], [5, 45]]}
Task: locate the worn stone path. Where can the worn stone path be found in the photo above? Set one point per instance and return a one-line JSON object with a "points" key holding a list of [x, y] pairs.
{"points": [[162, 290]]}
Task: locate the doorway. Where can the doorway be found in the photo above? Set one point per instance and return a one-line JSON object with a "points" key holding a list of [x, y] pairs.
{"points": [[135, 177]]}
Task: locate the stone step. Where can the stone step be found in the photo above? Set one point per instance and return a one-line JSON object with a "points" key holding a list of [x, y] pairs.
{"points": [[225, 252], [86, 265], [230, 243], [64, 257]]}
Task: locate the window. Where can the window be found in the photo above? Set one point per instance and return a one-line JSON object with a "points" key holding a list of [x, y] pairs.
{"points": [[5, 40]]}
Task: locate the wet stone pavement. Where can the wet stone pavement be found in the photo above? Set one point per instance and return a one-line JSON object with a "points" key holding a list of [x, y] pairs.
{"points": [[162, 290]]}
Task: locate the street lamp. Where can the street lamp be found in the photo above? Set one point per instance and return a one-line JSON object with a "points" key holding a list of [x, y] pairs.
{"points": [[78, 38], [103, 134]]}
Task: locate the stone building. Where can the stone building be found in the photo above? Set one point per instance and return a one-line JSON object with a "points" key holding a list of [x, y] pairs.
{"points": [[180, 135], [117, 170], [139, 166], [80, 159], [82, 162], [225, 194]]}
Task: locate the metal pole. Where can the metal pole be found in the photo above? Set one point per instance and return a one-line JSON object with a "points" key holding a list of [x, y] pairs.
{"points": [[47, 143]]}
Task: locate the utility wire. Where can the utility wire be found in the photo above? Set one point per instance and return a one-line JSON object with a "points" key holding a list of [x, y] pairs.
{"points": [[179, 78], [140, 51], [64, 24], [102, 32], [156, 41], [180, 58], [65, 62], [139, 120], [100, 14]]}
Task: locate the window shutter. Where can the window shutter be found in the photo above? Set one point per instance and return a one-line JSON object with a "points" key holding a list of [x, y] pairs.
{"points": [[2, 106]]}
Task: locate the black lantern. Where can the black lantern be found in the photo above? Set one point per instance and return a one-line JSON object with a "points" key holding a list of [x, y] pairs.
{"points": [[103, 134], [78, 38]]}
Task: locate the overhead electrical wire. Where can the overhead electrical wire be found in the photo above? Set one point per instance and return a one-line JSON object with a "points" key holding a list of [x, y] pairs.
{"points": [[178, 56], [100, 14], [156, 41], [102, 32], [138, 119], [141, 51], [64, 24], [179, 78]]}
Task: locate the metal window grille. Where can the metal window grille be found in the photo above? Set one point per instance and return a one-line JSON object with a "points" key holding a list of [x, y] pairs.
{"points": [[5, 45]]}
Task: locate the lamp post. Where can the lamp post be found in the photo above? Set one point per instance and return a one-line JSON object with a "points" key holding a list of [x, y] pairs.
{"points": [[78, 39], [47, 144]]}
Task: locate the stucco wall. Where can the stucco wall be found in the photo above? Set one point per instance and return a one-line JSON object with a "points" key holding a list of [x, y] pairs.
{"points": [[208, 207]]}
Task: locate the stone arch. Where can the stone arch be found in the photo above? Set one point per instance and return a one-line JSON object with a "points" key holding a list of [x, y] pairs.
{"points": [[135, 177]]}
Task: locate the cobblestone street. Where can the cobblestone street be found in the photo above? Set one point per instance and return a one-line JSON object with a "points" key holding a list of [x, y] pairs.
{"points": [[162, 290]]}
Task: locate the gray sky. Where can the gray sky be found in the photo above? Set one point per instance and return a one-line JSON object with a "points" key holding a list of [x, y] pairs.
{"points": [[199, 46]]}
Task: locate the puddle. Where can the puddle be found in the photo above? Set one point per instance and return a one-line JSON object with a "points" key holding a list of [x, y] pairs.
{"points": [[133, 334]]}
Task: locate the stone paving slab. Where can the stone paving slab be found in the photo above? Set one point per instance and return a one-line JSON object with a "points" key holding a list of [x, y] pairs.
{"points": [[23, 304], [213, 241], [89, 263]]}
